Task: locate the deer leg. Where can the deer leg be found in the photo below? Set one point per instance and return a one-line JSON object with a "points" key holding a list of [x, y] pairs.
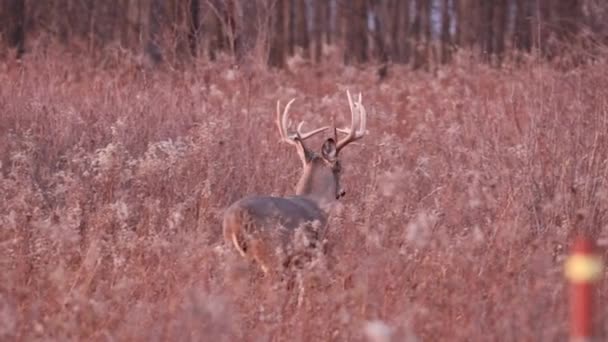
{"points": [[259, 254]]}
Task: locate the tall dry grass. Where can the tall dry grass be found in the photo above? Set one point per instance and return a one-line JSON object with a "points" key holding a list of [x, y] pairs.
{"points": [[460, 201]]}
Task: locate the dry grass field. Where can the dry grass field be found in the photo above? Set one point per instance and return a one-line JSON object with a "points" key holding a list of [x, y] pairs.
{"points": [[461, 201]]}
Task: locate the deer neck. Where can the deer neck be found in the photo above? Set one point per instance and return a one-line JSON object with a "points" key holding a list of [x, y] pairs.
{"points": [[319, 184]]}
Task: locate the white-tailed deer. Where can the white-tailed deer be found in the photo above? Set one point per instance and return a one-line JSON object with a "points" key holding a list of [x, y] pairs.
{"points": [[262, 228]]}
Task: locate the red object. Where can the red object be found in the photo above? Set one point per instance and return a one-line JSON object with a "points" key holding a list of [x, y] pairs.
{"points": [[581, 291]]}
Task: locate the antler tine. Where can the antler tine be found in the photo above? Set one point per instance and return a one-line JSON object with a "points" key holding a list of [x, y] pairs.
{"points": [[311, 133], [283, 123], [362, 117], [358, 116]]}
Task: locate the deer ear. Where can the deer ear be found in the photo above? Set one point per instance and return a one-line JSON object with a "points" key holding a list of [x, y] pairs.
{"points": [[328, 151]]}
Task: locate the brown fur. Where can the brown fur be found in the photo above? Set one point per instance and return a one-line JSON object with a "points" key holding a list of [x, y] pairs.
{"points": [[257, 228]]}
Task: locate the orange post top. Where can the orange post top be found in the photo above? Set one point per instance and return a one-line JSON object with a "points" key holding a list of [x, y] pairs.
{"points": [[583, 265]]}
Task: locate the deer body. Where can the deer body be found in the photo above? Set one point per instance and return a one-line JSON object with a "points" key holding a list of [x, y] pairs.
{"points": [[272, 231], [257, 225]]}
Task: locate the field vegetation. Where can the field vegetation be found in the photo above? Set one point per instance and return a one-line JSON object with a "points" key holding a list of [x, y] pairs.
{"points": [[461, 201]]}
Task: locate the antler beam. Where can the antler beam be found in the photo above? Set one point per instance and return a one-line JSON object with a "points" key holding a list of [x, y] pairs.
{"points": [[283, 125], [358, 116]]}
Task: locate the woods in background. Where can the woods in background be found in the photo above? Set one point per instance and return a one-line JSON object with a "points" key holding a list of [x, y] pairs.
{"points": [[415, 32]]}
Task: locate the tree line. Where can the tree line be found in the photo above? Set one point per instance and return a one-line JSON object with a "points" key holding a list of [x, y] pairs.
{"points": [[414, 32]]}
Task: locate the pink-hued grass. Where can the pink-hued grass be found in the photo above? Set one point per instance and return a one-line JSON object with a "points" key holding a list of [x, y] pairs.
{"points": [[461, 200]]}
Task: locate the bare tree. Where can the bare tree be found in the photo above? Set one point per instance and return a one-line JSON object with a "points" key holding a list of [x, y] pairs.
{"points": [[195, 26], [319, 28], [218, 26], [247, 26], [541, 23], [485, 32], [356, 33], [446, 40], [421, 31], [397, 30], [568, 17], [381, 23], [468, 22], [328, 19], [302, 38], [500, 28], [277, 40], [523, 26], [290, 25], [130, 24], [400, 30], [153, 49], [14, 29]]}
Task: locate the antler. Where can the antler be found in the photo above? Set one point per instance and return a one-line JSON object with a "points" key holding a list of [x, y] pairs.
{"points": [[283, 124], [358, 114]]}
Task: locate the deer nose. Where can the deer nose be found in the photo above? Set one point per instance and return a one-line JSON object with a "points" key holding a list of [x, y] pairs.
{"points": [[340, 194]]}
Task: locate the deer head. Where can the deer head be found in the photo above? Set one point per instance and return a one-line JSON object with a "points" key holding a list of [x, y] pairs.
{"points": [[320, 180]]}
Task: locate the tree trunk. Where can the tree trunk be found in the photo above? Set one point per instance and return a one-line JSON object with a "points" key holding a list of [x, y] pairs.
{"points": [[468, 19], [422, 33], [356, 35], [428, 19], [400, 30], [301, 28], [153, 49], [130, 25], [195, 25], [446, 41], [327, 16], [500, 27], [568, 15], [217, 36], [246, 40], [277, 45], [416, 29], [541, 26], [523, 26], [15, 25], [486, 32], [60, 26], [380, 23], [290, 25], [319, 29]]}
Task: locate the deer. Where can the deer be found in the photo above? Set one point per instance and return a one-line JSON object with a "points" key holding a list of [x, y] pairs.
{"points": [[263, 228]]}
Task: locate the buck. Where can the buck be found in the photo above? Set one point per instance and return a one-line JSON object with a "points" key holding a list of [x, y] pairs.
{"points": [[263, 228]]}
